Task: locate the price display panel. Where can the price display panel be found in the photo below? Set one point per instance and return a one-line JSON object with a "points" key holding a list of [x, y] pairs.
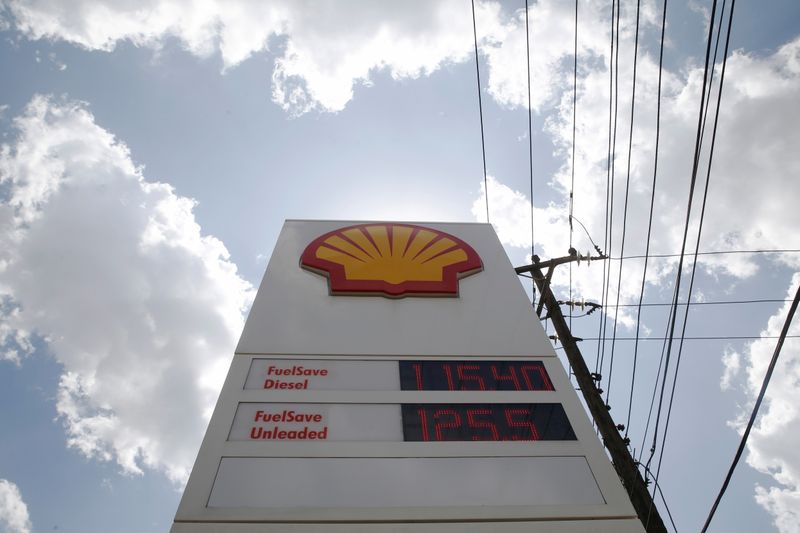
{"points": [[486, 422], [474, 376], [315, 374], [428, 422]]}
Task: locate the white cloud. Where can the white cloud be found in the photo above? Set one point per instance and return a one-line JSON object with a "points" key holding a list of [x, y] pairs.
{"points": [[323, 48], [732, 364], [13, 511], [751, 192], [772, 445], [140, 308]]}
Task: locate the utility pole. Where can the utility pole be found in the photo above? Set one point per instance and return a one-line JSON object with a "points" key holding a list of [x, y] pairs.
{"points": [[617, 447]]}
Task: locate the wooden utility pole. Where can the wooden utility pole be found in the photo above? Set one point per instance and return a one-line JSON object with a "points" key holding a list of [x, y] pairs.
{"points": [[613, 441]]}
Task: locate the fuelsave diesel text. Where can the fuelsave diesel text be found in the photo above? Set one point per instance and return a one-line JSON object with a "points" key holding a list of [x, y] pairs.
{"points": [[293, 371]]}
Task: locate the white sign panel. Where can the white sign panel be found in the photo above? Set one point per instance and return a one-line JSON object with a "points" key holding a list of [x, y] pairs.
{"points": [[403, 482]]}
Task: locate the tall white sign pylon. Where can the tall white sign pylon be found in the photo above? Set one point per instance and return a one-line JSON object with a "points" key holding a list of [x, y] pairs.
{"points": [[393, 377]]}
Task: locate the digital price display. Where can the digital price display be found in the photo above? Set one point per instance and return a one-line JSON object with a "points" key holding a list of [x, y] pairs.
{"points": [[474, 376], [486, 422]]}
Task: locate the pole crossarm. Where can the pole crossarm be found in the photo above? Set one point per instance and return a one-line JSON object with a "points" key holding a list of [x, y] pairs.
{"points": [[624, 464]]}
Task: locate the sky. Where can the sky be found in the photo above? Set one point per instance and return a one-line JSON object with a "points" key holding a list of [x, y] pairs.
{"points": [[150, 152]]}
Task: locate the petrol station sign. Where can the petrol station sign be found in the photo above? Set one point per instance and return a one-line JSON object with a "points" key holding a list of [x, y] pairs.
{"points": [[392, 377]]}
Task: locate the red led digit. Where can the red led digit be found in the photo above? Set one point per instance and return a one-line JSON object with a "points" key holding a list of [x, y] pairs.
{"points": [[482, 424], [418, 374], [448, 372], [512, 377], [539, 369], [527, 423], [423, 422], [439, 425], [464, 378]]}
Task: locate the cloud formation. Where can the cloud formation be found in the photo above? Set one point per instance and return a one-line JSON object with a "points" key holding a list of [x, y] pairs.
{"points": [[13, 511], [772, 444], [321, 55], [749, 174], [323, 49], [140, 308]]}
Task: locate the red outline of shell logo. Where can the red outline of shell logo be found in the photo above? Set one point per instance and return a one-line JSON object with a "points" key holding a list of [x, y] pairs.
{"points": [[393, 260]]}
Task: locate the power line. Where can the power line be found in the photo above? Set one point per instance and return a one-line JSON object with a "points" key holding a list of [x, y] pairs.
{"points": [[671, 304], [480, 111], [701, 338], [574, 122], [760, 397], [649, 219], [700, 224], [606, 244], [627, 189], [612, 157], [572, 180], [586, 231], [663, 499], [719, 302], [685, 231], [714, 252], [672, 308], [530, 119], [530, 139]]}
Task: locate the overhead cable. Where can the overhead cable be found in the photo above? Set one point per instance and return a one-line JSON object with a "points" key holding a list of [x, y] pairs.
{"points": [[612, 156], [530, 139], [692, 183], [480, 111], [699, 230], [625, 205], [608, 179], [695, 165], [715, 252], [759, 399], [649, 219]]}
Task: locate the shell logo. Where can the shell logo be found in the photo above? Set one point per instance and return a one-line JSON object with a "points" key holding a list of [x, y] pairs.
{"points": [[393, 260]]}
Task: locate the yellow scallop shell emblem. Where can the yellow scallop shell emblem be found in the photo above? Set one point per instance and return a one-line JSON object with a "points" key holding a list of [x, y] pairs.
{"points": [[394, 260]]}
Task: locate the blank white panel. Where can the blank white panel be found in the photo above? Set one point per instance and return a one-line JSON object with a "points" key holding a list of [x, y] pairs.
{"points": [[291, 482]]}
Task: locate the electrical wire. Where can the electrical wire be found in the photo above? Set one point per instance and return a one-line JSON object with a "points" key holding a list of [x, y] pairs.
{"points": [[701, 338], [608, 179], [480, 111], [663, 499], [610, 194], [625, 207], [574, 121], [699, 230], [572, 180], [649, 219], [672, 309], [692, 184], [720, 302], [711, 75], [586, 231], [715, 252], [759, 399], [530, 140]]}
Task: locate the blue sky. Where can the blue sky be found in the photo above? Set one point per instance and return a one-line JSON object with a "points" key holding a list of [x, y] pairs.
{"points": [[148, 158]]}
